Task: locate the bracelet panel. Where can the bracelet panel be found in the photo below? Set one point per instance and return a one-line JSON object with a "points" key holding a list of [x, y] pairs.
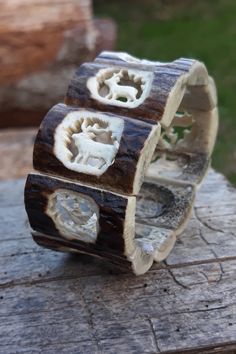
{"points": [[99, 149], [138, 92], [94, 220], [95, 160], [70, 217]]}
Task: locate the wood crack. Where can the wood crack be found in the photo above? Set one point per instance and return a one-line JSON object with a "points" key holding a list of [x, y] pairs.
{"points": [[220, 265], [201, 262], [46, 345], [154, 335], [203, 238], [203, 310], [204, 223], [176, 280], [161, 266], [90, 322]]}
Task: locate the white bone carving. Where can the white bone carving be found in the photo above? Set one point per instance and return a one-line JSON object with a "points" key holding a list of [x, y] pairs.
{"points": [[88, 142], [117, 91], [75, 215], [171, 137], [120, 87]]}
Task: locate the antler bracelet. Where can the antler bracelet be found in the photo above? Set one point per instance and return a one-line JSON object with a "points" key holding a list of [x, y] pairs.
{"points": [[125, 121]]}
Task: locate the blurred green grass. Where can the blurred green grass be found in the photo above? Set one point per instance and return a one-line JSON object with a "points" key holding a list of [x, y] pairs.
{"points": [[205, 30]]}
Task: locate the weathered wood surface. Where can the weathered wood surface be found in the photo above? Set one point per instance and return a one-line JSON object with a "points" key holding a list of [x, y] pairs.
{"points": [[41, 44], [58, 303]]}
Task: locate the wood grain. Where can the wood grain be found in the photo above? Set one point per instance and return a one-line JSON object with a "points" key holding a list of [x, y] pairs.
{"points": [[55, 302]]}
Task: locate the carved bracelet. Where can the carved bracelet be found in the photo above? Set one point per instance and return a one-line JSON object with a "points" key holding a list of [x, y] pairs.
{"points": [[119, 162]]}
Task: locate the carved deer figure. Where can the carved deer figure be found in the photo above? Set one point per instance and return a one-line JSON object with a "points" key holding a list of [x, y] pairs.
{"points": [[88, 147], [117, 91]]}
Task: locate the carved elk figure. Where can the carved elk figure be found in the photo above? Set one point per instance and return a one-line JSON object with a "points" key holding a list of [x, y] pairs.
{"points": [[95, 142], [117, 91]]}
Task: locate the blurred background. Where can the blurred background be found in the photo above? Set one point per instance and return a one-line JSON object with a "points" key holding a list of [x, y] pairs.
{"points": [[42, 42]]}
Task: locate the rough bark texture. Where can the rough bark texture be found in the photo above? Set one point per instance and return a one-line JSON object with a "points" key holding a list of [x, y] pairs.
{"points": [[54, 302], [165, 77], [40, 48]]}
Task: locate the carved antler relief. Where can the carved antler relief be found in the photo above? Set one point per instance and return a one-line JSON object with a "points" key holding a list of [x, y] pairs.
{"points": [[90, 142], [121, 87], [173, 135], [118, 91]]}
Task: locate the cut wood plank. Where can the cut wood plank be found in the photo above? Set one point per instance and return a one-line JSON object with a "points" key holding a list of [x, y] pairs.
{"points": [[53, 302]]}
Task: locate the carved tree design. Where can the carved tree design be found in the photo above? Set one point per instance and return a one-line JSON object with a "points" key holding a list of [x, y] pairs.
{"points": [[169, 159], [173, 135]]}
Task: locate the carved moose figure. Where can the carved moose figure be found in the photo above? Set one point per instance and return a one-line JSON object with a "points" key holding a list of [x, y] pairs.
{"points": [[117, 91], [103, 151]]}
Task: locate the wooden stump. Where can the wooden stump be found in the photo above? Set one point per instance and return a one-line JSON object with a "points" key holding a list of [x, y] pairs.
{"points": [[59, 303], [16, 150], [41, 44]]}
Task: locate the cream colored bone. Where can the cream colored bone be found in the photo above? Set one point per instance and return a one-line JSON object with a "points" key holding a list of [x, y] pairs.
{"points": [[88, 142], [111, 78], [116, 91], [88, 148]]}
